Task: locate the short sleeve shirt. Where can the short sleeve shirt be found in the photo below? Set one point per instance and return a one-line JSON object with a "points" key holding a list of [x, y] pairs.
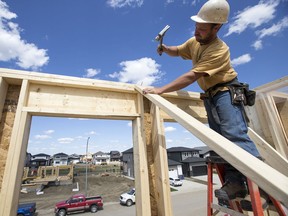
{"points": [[212, 59]]}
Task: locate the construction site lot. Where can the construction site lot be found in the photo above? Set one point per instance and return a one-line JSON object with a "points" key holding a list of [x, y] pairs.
{"points": [[109, 185]]}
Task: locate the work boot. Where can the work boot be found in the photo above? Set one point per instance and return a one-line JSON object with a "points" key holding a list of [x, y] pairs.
{"points": [[230, 191], [246, 203]]}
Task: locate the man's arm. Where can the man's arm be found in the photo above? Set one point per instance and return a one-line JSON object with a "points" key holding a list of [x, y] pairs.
{"points": [[179, 83]]}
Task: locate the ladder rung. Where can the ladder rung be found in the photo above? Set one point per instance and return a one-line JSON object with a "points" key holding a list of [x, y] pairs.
{"points": [[226, 210]]}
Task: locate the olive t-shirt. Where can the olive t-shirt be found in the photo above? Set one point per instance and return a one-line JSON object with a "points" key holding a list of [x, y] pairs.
{"points": [[212, 59]]}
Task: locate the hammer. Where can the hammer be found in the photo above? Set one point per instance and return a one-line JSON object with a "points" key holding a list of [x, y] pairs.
{"points": [[160, 35]]}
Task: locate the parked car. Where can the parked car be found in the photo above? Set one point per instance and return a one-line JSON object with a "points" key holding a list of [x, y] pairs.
{"points": [[128, 198], [175, 181], [26, 209], [77, 203]]}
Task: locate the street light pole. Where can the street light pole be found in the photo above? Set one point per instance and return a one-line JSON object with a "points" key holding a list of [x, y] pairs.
{"points": [[86, 183]]}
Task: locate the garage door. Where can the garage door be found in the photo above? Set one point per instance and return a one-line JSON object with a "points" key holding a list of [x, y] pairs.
{"points": [[199, 170]]}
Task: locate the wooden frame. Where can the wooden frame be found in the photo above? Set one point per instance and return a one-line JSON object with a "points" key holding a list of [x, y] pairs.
{"points": [[87, 98]]}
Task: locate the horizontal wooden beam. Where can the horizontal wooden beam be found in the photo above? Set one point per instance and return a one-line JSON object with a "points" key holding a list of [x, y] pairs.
{"points": [[16, 77]]}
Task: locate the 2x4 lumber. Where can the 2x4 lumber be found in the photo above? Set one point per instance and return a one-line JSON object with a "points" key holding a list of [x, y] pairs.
{"points": [[143, 206], [3, 91], [273, 86], [161, 164], [60, 80], [79, 113], [266, 177], [15, 159], [275, 124], [269, 154]]}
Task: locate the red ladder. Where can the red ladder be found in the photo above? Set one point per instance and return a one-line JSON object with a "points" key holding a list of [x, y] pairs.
{"points": [[235, 208]]}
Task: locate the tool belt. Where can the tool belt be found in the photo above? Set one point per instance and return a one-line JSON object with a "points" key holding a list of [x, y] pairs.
{"points": [[240, 92]]}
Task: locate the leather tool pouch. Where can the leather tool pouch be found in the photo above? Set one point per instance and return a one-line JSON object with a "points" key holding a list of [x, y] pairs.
{"points": [[240, 94]]}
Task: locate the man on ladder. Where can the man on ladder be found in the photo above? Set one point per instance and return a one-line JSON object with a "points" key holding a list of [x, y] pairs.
{"points": [[213, 71]]}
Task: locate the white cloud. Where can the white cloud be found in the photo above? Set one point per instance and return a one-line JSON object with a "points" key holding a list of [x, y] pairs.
{"points": [[129, 124], [65, 140], [257, 45], [49, 131], [12, 47], [92, 132], [90, 72], [241, 60], [193, 2], [274, 29], [144, 71], [42, 137], [124, 3], [169, 129], [253, 17]]}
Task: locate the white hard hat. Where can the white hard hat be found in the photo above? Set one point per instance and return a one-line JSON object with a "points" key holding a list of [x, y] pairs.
{"points": [[213, 11]]}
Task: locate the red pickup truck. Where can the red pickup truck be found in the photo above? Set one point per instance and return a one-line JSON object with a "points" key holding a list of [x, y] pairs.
{"points": [[79, 202]]}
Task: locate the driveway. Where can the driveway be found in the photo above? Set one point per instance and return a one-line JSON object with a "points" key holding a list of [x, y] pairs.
{"points": [[197, 183]]}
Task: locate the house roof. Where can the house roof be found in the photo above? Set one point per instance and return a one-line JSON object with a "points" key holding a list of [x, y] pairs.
{"points": [[74, 156], [128, 151], [173, 163], [100, 153], [60, 154], [39, 160], [193, 160], [41, 155], [114, 152], [181, 149], [203, 149]]}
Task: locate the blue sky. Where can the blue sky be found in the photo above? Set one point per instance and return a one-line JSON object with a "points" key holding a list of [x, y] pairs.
{"points": [[115, 40]]}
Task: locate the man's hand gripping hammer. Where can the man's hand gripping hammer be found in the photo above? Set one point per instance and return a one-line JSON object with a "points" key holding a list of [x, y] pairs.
{"points": [[160, 36]]}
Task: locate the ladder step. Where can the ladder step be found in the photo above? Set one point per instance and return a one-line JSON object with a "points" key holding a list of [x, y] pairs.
{"points": [[227, 210]]}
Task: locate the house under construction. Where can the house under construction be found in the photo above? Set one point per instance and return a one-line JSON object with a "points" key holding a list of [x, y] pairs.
{"points": [[26, 94]]}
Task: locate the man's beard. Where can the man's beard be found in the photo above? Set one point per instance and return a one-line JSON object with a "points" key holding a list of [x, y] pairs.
{"points": [[203, 41]]}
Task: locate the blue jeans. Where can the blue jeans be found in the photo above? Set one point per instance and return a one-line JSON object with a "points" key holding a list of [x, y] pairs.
{"points": [[228, 120]]}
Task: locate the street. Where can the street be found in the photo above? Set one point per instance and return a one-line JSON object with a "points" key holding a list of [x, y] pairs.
{"points": [[184, 204], [190, 199]]}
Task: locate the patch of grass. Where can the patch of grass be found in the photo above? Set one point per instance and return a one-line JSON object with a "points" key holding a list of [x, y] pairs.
{"points": [[173, 189]]}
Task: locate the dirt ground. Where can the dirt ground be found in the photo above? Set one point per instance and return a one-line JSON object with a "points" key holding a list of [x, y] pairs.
{"points": [[109, 187]]}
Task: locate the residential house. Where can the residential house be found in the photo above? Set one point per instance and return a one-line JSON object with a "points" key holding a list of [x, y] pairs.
{"points": [[60, 159], [73, 159], [40, 159], [101, 158], [115, 157], [175, 168], [181, 153], [192, 164], [128, 163]]}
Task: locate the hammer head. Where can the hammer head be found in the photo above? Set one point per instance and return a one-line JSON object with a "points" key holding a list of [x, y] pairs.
{"points": [[162, 33]]}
